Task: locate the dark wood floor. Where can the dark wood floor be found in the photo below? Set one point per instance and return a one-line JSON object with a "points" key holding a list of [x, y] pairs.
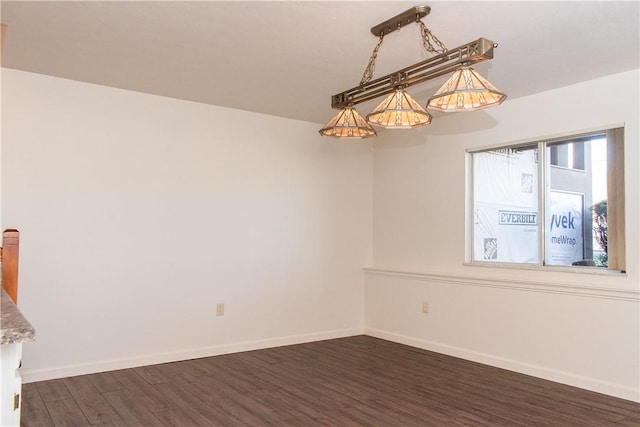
{"points": [[356, 381]]}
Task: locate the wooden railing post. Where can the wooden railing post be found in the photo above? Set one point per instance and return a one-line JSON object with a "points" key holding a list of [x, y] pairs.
{"points": [[10, 250]]}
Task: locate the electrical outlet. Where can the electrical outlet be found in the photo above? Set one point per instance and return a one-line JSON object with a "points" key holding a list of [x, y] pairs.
{"points": [[425, 307], [220, 309]]}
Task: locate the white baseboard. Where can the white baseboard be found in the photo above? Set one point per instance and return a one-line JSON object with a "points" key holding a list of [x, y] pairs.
{"points": [[587, 383], [33, 375]]}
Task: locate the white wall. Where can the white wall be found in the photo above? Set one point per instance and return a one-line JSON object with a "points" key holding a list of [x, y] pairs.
{"points": [[139, 213], [581, 329]]}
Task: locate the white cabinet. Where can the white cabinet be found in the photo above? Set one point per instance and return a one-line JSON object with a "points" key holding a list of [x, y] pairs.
{"points": [[11, 383], [14, 331]]}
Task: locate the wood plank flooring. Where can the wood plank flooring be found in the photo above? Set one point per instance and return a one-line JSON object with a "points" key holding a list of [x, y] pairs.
{"points": [[355, 381]]}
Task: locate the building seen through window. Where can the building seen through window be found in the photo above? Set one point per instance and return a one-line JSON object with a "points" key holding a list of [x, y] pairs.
{"points": [[550, 202]]}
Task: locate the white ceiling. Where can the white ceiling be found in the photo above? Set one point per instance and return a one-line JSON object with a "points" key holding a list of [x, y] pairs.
{"points": [[286, 58]]}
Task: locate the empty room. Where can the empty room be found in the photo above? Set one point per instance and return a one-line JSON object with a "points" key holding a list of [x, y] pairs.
{"points": [[320, 213]]}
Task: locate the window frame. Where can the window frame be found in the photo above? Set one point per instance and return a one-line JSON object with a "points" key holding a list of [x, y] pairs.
{"points": [[615, 190]]}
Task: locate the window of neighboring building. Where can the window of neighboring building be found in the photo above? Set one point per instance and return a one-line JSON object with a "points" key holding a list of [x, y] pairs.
{"points": [[556, 202]]}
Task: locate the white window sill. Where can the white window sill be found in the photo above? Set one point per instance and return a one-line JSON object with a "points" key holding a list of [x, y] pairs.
{"points": [[552, 268]]}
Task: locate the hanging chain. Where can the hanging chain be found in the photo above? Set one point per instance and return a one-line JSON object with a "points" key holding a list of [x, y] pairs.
{"points": [[427, 37], [368, 72]]}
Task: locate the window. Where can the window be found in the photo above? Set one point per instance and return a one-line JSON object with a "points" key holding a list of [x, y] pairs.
{"points": [[556, 202]]}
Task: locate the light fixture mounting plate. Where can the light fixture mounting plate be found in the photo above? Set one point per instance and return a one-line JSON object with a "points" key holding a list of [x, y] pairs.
{"points": [[405, 18]]}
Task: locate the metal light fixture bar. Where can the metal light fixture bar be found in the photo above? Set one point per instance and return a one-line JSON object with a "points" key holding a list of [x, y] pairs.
{"points": [[405, 18], [467, 54]]}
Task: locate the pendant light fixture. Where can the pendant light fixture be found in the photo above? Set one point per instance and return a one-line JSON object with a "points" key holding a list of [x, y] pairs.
{"points": [[348, 123], [465, 90], [399, 111]]}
